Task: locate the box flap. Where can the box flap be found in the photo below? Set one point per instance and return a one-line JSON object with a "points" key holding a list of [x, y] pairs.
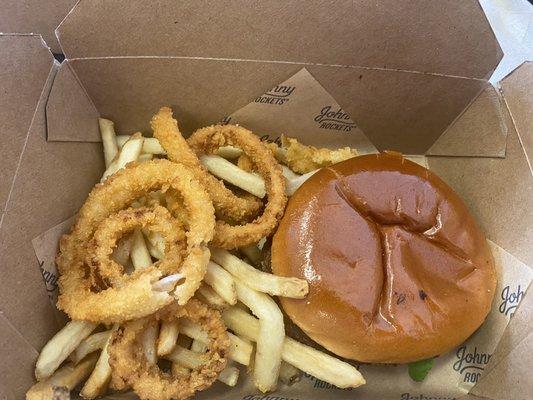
{"points": [[479, 131], [28, 57], [517, 88], [42, 193], [71, 116], [35, 16], [498, 191], [203, 91], [508, 375], [451, 38]]}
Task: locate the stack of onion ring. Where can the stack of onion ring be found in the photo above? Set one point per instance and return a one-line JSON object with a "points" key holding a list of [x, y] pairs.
{"points": [[226, 203], [135, 298], [207, 141], [131, 368]]}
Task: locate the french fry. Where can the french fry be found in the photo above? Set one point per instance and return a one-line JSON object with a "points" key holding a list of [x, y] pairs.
{"points": [[225, 170], [129, 152], [149, 341], [89, 345], [109, 140], [145, 157], [258, 280], [198, 346], [168, 336], [208, 296], [99, 379], [289, 174], [289, 374], [294, 184], [229, 375], [221, 281], [140, 256], [150, 145], [183, 357], [305, 358], [60, 346], [179, 370], [155, 243], [270, 337], [63, 380], [239, 350], [122, 252], [253, 253], [229, 152]]}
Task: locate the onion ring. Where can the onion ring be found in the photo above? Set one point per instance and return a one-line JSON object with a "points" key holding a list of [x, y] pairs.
{"points": [[116, 225], [228, 205], [207, 141], [79, 298], [131, 368]]}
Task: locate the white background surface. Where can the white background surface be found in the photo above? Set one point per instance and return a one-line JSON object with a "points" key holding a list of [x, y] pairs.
{"points": [[512, 22]]}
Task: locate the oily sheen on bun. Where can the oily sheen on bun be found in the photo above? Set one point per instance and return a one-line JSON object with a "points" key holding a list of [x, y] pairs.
{"points": [[398, 268]]}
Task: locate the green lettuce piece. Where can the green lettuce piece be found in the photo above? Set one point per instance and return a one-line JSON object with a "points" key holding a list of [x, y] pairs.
{"points": [[419, 370]]}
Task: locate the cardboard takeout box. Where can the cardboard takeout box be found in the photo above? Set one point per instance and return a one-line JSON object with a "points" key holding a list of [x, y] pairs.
{"points": [[409, 77]]}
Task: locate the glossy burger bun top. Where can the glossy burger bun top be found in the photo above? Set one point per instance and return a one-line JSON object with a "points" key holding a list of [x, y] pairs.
{"points": [[398, 269]]}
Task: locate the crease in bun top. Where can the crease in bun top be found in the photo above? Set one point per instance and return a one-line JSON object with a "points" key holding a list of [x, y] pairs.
{"points": [[398, 268]]}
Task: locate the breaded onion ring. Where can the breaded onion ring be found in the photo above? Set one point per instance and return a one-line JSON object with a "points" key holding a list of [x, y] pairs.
{"points": [[207, 141], [131, 368], [136, 299], [105, 239], [227, 204]]}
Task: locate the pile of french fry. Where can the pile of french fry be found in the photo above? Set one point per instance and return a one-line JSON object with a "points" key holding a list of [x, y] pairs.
{"points": [[78, 353]]}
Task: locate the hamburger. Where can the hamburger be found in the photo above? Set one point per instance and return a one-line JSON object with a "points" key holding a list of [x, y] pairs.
{"points": [[398, 268]]}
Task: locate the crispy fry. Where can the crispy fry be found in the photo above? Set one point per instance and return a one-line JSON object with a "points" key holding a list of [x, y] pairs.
{"points": [[226, 203], [302, 159], [140, 256], [63, 380], [101, 375], [89, 345], [239, 349], [149, 342], [270, 337], [294, 184], [145, 157], [150, 145], [129, 153], [258, 280], [208, 296], [122, 251], [305, 358], [231, 173], [168, 336], [155, 243], [109, 140], [198, 346], [60, 346], [221, 281]]}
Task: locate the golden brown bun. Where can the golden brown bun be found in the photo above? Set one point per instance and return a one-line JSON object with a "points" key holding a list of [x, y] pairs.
{"points": [[398, 269]]}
